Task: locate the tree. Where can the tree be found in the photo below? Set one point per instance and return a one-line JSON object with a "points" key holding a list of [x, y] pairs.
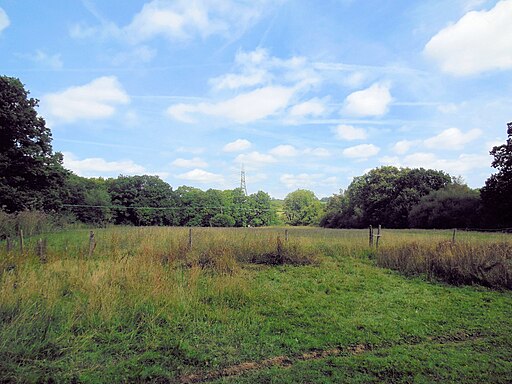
{"points": [[148, 200], [454, 206], [260, 212], [384, 196], [497, 192], [302, 208], [31, 175], [90, 197]]}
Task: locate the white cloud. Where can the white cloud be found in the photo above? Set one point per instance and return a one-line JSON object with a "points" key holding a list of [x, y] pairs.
{"points": [[348, 132], [95, 100], [284, 151], [181, 20], [403, 146], [236, 81], [355, 79], [95, 166], [4, 20], [237, 145], [452, 138], [255, 158], [362, 151], [480, 41], [313, 107], [181, 112], [201, 176], [372, 101], [461, 165], [195, 162], [319, 152], [244, 108]]}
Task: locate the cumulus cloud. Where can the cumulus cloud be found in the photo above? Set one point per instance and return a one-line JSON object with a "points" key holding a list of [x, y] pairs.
{"points": [[403, 146], [4, 20], [480, 41], [95, 166], [95, 100], [284, 151], [348, 132], [362, 151], [452, 138], [372, 101], [244, 108], [463, 164], [195, 162], [237, 145], [201, 176]]}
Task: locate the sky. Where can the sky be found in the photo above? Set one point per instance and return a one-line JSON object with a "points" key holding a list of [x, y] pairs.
{"points": [[302, 94]]}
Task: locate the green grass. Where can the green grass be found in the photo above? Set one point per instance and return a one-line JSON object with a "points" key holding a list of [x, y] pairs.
{"points": [[146, 309]]}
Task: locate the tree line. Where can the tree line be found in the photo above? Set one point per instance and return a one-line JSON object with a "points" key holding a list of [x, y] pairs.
{"points": [[32, 177]]}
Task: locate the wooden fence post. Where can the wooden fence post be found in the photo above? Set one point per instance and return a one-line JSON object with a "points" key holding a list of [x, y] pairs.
{"points": [[92, 243], [286, 235], [453, 236], [21, 241], [190, 238], [370, 236], [41, 250], [378, 237], [8, 244]]}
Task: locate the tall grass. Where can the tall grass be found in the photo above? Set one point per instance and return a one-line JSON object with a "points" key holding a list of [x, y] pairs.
{"points": [[143, 287], [487, 264]]}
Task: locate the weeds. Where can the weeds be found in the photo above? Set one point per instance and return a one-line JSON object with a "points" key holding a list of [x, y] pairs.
{"points": [[455, 263]]}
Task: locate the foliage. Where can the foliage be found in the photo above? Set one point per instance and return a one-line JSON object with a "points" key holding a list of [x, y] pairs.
{"points": [[147, 200], [497, 191], [302, 208], [90, 197], [384, 196], [222, 220], [31, 175], [454, 206]]}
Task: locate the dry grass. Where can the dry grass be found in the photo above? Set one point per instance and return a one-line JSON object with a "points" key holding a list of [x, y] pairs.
{"points": [[487, 264]]}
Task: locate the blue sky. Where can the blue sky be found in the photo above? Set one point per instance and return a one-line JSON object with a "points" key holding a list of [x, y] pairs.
{"points": [[306, 94]]}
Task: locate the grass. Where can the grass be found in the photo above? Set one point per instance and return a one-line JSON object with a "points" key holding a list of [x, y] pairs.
{"points": [[146, 308]]}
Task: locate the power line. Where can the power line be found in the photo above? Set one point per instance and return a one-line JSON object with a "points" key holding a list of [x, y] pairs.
{"points": [[159, 208]]}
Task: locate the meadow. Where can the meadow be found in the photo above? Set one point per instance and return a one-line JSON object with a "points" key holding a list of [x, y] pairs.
{"points": [[280, 305]]}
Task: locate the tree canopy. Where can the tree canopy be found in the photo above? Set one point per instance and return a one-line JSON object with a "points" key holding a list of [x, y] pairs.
{"points": [[497, 192], [384, 196], [31, 175], [302, 208]]}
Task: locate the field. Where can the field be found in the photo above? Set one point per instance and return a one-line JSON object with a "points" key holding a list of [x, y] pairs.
{"points": [[256, 305]]}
